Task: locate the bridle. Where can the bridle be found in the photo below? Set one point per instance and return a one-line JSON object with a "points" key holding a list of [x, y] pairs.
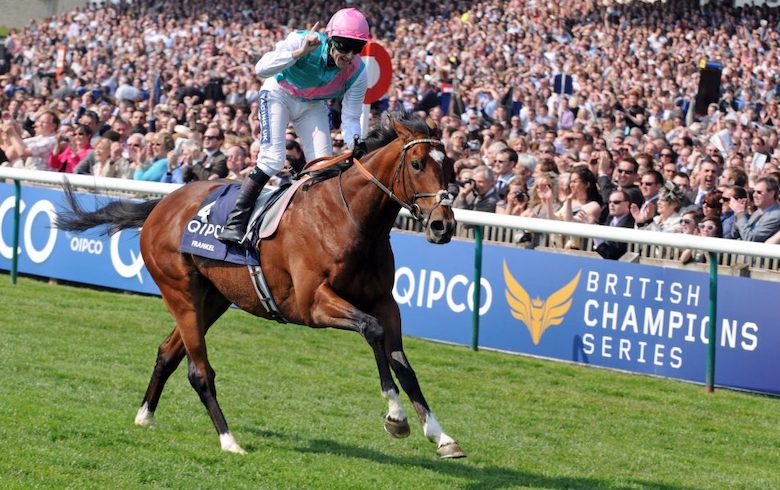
{"points": [[442, 196]]}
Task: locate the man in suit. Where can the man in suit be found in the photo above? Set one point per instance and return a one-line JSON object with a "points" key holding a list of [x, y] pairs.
{"points": [[625, 175], [503, 167], [765, 221], [650, 184], [214, 164], [708, 179], [619, 216]]}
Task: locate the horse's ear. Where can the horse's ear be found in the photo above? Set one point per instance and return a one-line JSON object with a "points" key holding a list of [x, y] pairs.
{"points": [[435, 130], [402, 131]]}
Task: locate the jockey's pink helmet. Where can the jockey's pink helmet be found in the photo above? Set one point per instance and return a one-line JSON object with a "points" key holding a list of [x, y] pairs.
{"points": [[350, 23]]}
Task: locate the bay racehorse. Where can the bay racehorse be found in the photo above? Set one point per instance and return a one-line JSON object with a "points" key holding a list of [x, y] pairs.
{"points": [[329, 264]]}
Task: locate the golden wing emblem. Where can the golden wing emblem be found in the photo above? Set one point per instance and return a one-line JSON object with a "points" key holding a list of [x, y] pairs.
{"points": [[558, 304], [538, 315], [517, 298]]}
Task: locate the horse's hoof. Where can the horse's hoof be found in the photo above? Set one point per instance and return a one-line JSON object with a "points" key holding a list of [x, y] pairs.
{"points": [[230, 445], [149, 423], [145, 418], [396, 428], [235, 450], [451, 450]]}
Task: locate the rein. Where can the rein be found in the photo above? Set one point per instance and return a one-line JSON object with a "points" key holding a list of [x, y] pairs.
{"points": [[442, 196]]}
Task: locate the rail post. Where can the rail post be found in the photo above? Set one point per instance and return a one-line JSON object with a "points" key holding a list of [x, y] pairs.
{"points": [[478, 230], [15, 241], [713, 324]]}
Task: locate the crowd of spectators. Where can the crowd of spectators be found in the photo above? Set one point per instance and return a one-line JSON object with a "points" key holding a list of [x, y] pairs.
{"points": [[165, 91]]}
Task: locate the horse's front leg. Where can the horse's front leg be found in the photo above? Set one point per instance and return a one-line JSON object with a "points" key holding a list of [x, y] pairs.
{"points": [[332, 310], [391, 319]]}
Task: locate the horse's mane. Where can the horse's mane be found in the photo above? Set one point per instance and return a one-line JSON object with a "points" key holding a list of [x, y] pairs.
{"points": [[377, 138], [384, 133]]}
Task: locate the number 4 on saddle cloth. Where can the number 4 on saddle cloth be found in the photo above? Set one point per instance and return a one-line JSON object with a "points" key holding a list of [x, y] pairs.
{"points": [[200, 236]]}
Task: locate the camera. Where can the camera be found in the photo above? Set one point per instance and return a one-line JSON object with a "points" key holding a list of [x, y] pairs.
{"points": [[474, 145], [464, 183], [521, 195]]}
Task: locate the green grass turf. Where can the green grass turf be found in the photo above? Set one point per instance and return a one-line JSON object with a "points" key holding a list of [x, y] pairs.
{"points": [[306, 406]]}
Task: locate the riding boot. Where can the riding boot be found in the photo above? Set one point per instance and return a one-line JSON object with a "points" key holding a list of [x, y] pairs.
{"points": [[238, 219]]}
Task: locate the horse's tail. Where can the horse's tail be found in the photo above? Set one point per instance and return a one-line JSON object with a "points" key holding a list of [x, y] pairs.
{"points": [[118, 215]]}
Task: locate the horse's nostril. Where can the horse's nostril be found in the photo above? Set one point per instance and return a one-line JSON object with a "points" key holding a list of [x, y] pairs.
{"points": [[437, 226]]}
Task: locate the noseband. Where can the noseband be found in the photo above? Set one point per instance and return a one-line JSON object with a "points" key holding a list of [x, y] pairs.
{"points": [[442, 196]]}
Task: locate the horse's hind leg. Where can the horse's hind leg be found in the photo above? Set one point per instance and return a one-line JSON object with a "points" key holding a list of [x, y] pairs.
{"points": [[195, 305], [169, 355], [446, 445], [192, 328]]}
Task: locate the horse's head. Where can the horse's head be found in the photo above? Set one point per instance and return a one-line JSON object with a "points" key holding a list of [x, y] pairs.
{"points": [[423, 175]]}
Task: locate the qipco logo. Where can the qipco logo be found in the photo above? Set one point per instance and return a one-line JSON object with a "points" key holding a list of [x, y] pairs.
{"points": [[424, 289], [86, 245], [40, 250], [124, 267]]}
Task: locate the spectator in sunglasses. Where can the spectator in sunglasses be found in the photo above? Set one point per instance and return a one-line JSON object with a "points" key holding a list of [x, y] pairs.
{"points": [[712, 205], [764, 222], [71, 149], [710, 227], [624, 178], [618, 215], [730, 193]]}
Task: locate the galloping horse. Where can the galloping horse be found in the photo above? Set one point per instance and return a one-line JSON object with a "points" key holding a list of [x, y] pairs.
{"points": [[329, 264]]}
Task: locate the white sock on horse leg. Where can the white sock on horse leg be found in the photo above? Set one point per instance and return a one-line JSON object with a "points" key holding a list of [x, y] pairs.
{"points": [[395, 410], [229, 444], [144, 417], [434, 432]]}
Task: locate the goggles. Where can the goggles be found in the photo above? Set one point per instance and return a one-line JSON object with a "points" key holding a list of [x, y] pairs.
{"points": [[346, 45]]}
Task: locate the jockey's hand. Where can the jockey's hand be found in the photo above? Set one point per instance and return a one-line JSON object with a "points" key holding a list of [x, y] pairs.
{"points": [[310, 42], [359, 150]]}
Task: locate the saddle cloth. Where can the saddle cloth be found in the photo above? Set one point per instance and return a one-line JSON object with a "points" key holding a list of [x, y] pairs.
{"points": [[200, 235]]}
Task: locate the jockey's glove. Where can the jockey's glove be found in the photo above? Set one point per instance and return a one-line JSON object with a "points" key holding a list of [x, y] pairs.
{"points": [[359, 149]]}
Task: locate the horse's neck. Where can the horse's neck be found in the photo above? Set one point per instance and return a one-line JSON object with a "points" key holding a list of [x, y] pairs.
{"points": [[371, 208]]}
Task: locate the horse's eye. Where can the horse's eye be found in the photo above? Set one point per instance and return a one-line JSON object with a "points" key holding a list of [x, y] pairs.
{"points": [[417, 164]]}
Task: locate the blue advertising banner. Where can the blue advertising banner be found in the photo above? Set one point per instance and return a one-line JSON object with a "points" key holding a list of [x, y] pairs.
{"points": [[599, 312], [90, 258], [605, 313]]}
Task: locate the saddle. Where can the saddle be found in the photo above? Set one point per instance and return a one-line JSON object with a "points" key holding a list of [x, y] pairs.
{"points": [[200, 235]]}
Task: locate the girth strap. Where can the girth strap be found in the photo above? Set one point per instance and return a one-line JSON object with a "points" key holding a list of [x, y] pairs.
{"points": [[264, 293]]}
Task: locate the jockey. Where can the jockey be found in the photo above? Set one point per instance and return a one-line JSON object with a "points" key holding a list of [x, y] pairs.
{"points": [[302, 73]]}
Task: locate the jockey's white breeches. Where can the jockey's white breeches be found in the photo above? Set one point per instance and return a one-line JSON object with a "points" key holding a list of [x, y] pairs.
{"points": [[311, 121]]}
